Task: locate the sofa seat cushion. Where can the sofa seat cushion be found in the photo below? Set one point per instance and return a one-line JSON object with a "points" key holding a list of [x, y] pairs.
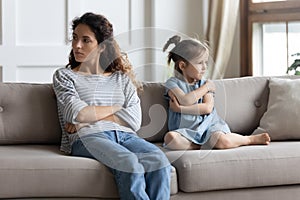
{"points": [[43, 171], [243, 167]]}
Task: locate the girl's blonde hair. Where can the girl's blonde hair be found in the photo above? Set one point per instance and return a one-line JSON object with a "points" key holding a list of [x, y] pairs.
{"points": [[185, 50]]}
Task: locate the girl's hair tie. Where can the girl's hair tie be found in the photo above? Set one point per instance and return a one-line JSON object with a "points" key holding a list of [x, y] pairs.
{"points": [[173, 40]]}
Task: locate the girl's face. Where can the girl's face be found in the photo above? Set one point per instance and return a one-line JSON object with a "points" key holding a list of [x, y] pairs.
{"points": [[196, 68], [84, 43]]}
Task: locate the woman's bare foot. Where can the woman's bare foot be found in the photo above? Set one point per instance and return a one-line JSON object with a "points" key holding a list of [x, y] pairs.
{"points": [[262, 138]]}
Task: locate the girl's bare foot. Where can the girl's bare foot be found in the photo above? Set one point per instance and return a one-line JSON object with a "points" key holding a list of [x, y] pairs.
{"points": [[262, 138]]}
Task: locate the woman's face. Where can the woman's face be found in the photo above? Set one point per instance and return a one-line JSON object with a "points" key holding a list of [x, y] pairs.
{"points": [[84, 43]]}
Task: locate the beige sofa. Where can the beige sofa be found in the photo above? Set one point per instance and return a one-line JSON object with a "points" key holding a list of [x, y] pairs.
{"points": [[31, 165]]}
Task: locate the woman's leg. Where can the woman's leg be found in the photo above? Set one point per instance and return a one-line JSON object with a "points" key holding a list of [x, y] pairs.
{"points": [[176, 141], [156, 165], [128, 172], [220, 140]]}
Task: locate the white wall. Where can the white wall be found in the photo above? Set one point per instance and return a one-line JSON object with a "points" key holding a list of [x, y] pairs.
{"points": [[181, 17], [34, 34], [33, 40]]}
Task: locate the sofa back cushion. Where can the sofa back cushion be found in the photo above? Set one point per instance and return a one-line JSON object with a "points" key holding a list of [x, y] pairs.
{"points": [[241, 102], [154, 112], [280, 119], [28, 114]]}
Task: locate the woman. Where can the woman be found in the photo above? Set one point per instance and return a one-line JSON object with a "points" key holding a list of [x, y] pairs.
{"points": [[96, 92]]}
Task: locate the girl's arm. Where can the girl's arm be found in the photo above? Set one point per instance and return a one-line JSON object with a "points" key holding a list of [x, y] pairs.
{"points": [[187, 99], [196, 109]]}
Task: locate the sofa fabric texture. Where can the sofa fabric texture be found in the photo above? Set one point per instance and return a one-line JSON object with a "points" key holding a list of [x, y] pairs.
{"points": [[28, 114], [244, 167], [284, 98], [31, 165]]}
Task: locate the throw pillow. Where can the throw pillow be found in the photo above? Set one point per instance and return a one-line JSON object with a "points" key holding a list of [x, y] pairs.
{"points": [[281, 120]]}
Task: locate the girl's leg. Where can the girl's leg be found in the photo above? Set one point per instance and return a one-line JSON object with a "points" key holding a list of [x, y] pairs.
{"points": [[221, 140], [176, 141], [156, 165], [128, 172]]}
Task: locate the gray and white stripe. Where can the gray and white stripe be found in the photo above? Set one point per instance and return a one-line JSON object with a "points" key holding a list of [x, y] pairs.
{"points": [[74, 91]]}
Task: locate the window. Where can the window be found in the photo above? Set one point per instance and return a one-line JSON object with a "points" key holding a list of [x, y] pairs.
{"points": [[270, 36]]}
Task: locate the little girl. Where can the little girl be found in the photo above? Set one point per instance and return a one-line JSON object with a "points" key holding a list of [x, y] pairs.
{"points": [[193, 120]]}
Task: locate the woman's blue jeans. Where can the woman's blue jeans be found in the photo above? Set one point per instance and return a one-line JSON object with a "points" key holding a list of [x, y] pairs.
{"points": [[141, 169]]}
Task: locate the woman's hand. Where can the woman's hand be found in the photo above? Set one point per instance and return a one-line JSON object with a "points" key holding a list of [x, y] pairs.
{"points": [[73, 128], [70, 128]]}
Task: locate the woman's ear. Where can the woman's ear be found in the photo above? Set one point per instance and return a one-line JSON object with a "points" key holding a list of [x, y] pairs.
{"points": [[101, 48], [181, 65]]}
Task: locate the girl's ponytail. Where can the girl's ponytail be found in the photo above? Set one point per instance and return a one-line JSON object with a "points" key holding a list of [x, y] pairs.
{"points": [[173, 40]]}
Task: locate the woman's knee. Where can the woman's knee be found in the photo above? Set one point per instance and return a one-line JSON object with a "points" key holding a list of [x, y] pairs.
{"points": [[154, 160], [128, 163]]}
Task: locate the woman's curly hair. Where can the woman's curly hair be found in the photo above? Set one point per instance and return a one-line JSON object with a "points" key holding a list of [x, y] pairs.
{"points": [[111, 59]]}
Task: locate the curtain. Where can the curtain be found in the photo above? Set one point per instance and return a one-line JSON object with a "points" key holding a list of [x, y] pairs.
{"points": [[222, 20]]}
